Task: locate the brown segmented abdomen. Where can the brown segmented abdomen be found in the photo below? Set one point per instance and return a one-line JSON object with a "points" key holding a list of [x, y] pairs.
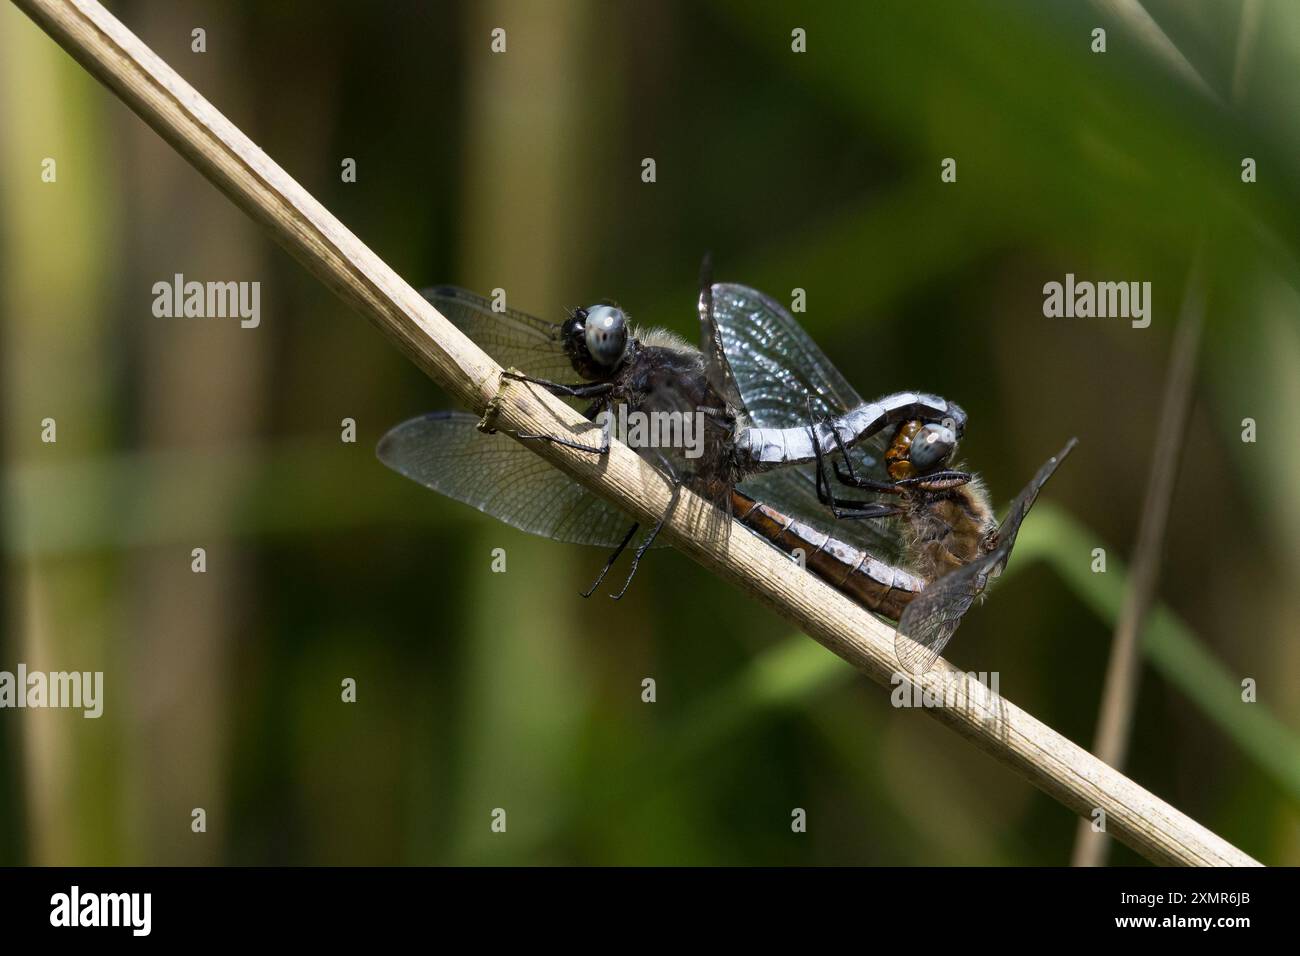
{"points": [[875, 585]]}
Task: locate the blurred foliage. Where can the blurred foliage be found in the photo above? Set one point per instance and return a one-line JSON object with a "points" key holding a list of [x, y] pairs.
{"points": [[478, 690]]}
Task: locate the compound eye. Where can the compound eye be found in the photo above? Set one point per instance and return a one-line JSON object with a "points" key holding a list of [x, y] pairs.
{"points": [[606, 334], [932, 447]]}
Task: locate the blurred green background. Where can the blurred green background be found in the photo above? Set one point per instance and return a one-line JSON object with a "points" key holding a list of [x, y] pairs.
{"points": [[478, 690]]}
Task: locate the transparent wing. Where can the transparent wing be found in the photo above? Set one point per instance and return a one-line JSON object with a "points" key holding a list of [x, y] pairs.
{"points": [[794, 492], [776, 367], [511, 337], [716, 367], [775, 363], [929, 622], [445, 451]]}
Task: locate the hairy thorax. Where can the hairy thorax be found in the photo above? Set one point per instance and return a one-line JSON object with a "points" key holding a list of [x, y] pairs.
{"points": [[951, 530]]}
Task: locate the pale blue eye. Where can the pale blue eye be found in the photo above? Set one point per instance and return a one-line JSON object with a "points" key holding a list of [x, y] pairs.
{"points": [[932, 446], [606, 334]]}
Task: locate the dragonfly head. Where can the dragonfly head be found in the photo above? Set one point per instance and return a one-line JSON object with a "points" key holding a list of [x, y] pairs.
{"points": [[919, 449], [595, 339]]}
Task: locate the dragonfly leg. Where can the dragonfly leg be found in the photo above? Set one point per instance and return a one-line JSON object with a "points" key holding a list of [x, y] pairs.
{"points": [[602, 449], [852, 508], [938, 481], [605, 431], [644, 546], [843, 508], [612, 558], [844, 453], [847, 477], [580, 390]]}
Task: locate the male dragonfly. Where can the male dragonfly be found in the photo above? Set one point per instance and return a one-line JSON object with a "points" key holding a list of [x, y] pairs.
{"points": [[653, 373]]}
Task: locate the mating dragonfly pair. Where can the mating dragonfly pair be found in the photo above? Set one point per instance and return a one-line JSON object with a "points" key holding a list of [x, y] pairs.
{"points": [[777, 420]]}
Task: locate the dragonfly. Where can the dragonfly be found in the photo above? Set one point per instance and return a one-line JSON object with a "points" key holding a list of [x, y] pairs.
{"points": [[762, 460], [647, 372], [930, 540]]}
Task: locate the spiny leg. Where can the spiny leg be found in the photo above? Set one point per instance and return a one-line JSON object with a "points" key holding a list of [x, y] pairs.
{"points": [[847, 477], [601, 449], [564, 442], [844, 452], [645, 545], [580, 390], [937, 481], [857, 509], [654, 532], [848, 509], [823, 485], [612, 558]]}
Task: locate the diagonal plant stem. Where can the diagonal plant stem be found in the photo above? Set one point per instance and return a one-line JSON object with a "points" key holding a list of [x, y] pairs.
{"points": [[256, 184], [1144, 28], [1119, 696], [1247, 34]]}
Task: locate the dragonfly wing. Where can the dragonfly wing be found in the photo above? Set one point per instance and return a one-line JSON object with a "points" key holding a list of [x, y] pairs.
{"points": [[929, 622], [445, 451], [1010, 526], [778, 369], [775, 363], [515, 339], [716, 366]]}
